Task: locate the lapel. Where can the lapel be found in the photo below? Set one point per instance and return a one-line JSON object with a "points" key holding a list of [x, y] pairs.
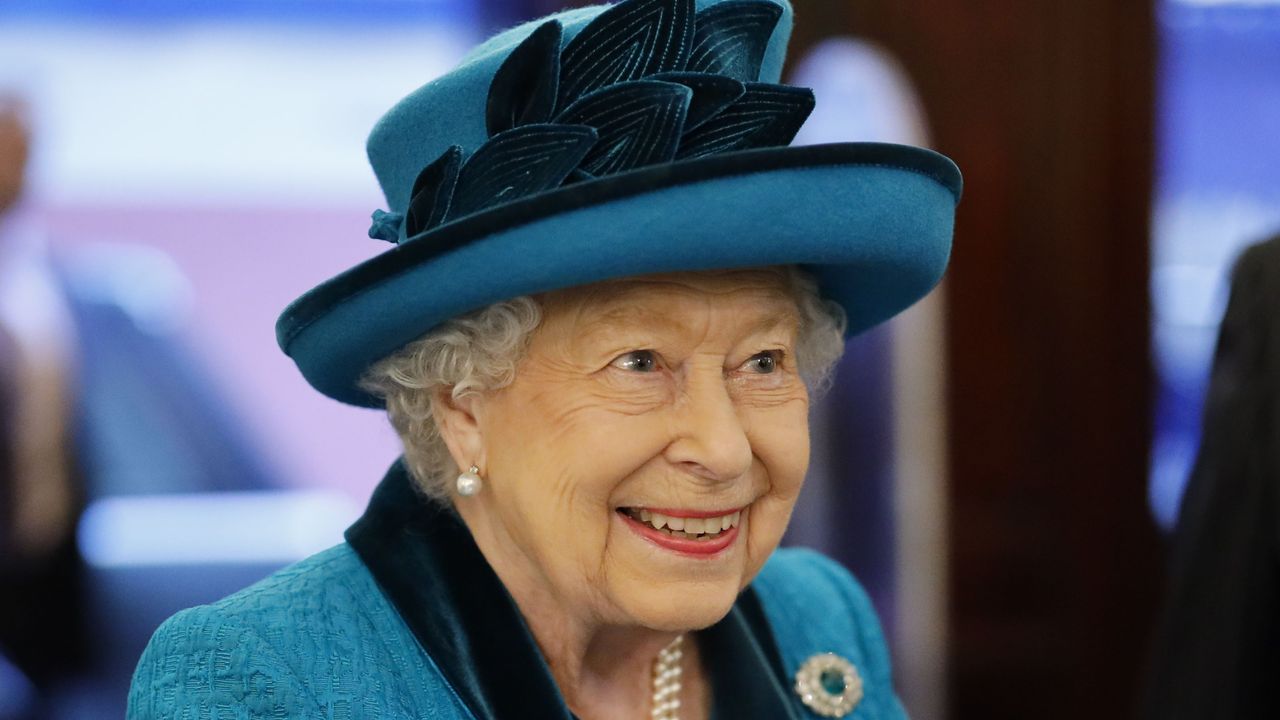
{"points": [[424, 559]]}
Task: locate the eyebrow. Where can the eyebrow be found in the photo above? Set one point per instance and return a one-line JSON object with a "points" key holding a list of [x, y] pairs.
{"points": [[640, 317]]}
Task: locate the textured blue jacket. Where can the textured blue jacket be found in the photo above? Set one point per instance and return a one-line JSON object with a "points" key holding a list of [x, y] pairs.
{"points": [[407, 620]]}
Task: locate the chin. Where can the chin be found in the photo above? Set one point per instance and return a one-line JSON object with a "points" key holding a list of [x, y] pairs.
{"points": [[676, 584], [681, 609]]}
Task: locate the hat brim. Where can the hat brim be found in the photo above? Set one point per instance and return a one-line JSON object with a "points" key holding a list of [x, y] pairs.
{"points": [[873, 222]]}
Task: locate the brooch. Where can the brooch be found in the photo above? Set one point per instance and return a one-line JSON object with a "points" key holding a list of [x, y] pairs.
{"points": [[829, 685]]}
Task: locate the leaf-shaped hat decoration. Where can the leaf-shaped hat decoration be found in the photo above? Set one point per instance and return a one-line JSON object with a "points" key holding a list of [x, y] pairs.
{"points": [[731, 38], [520, 162], [433, 192], [645, 82], [711, 94], [765, 116], [525, 86], [628, 41], [639, 122]]}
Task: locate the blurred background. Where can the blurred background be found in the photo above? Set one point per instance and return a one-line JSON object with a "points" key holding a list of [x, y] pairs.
{"points": [[1002, 466]]}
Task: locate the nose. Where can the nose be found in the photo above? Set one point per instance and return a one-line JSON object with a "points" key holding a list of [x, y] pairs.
{"points": [[710, 440]]}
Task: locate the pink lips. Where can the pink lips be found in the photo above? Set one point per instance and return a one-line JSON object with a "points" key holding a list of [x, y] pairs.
{"points": [[700, 548]]}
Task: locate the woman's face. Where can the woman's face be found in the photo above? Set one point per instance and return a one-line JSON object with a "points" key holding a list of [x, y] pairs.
{"points": [[674, 393]]}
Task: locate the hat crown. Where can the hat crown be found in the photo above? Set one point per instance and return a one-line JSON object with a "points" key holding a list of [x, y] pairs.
{"points": [[532, 97]]}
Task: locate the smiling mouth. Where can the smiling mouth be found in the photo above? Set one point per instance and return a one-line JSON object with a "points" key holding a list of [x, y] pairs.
{"points": [[685, 528]]}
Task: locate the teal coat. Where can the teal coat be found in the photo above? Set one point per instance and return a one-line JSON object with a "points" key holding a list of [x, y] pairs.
{"points": [[407, 620]]}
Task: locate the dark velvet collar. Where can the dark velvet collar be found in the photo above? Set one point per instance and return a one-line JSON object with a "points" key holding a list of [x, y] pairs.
{"points": [[424, 559]]}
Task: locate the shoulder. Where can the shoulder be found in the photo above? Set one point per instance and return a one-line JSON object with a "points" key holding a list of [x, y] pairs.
{"points": [[316, 635], [239, 651], [322, 590], [815, 606], [201, 661], [810, 583]]}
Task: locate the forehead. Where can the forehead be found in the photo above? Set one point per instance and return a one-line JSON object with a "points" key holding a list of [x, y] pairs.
{"points": [[757, 296]]}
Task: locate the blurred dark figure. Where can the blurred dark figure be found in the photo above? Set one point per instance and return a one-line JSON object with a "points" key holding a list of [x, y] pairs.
{"points": [[1217, 654], [42, 614], [101, 396]]}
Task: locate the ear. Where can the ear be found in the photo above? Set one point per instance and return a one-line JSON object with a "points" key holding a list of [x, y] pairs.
{"points": [[459, 426]]}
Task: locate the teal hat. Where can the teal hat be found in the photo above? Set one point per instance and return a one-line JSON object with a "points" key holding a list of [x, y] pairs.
{"points": [[644, 137]]}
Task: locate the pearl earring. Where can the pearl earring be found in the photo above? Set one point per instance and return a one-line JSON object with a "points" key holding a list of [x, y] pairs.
{"points": [[469, 483]]}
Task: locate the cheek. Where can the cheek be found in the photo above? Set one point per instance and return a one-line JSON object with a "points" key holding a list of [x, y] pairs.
{"points": [[786, 458], [556, 455], [781, 445], [779, 435], [572, 442]]}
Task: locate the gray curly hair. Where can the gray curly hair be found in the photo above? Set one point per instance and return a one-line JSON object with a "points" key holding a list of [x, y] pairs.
{"points": [[478, 352]]}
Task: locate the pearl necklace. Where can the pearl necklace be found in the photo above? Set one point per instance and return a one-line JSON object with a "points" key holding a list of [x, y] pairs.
{"points": [[666, 681]]}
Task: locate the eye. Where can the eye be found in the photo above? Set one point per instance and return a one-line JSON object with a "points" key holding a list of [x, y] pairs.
{"points": [[643, 361], [764, 363]]}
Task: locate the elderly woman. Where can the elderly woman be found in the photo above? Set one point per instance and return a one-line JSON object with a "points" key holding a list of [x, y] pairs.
{"points": [[613, 291]]}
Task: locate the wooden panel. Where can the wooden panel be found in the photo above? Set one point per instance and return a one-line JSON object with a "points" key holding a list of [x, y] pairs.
{"points": [[1047, 107]]}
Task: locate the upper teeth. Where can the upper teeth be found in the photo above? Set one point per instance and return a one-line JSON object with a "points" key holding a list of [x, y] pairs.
{"points": [[691, 526]]}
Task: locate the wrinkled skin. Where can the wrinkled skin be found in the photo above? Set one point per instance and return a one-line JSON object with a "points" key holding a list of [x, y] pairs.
{"points": [[667, 391]]}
